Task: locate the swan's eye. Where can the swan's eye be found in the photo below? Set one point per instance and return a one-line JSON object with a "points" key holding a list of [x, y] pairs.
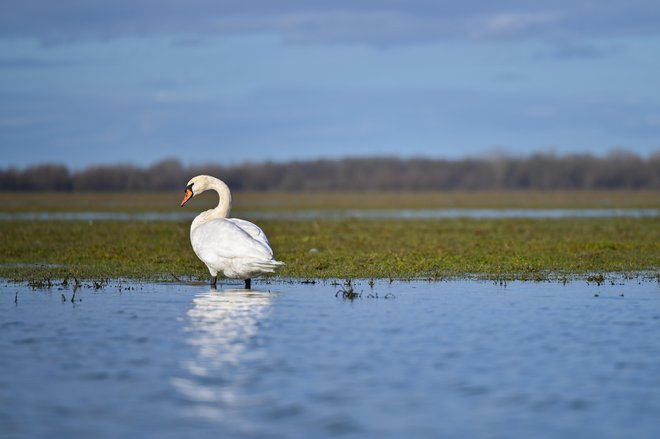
{"points": [[189, 187]]}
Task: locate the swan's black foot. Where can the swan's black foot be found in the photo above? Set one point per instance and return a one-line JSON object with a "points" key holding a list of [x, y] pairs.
{"points": [[248, 284], [214, 282]]}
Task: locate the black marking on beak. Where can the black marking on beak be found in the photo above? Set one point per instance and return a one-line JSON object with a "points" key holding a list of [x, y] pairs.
{"points": [[189, 194]]}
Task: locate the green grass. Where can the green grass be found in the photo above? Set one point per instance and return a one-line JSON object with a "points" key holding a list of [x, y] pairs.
{"points": [[399, 249], [500, 249]]}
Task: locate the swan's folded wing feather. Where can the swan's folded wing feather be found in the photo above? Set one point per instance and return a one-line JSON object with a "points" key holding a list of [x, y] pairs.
{"points": [[251, 229], [221, 238]]}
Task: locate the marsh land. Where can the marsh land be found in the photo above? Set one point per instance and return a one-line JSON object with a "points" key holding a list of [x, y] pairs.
{"points": [[510, 248]]}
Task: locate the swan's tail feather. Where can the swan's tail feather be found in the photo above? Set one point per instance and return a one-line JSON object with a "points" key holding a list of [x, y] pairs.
{"points": [[268, 266]]}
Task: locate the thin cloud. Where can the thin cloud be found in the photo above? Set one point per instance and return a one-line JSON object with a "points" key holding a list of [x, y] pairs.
{"points": [[374, 22], [515, 23], [579, 51], [30, 63]]}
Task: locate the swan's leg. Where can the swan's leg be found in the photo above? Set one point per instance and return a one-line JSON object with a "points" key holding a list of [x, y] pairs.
{"points": [[248, 284], [214, 282]]}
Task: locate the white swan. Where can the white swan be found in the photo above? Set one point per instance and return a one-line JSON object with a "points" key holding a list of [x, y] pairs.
{"points": [[232, 246]]}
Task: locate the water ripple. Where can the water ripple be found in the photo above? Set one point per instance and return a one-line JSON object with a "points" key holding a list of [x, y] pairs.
{"points": [[445, 359]]}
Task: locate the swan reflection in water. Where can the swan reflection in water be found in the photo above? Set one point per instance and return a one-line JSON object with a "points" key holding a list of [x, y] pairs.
{"points": [[223, 328]]}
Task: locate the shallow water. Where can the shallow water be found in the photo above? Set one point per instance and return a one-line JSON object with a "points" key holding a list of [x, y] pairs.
{"points": [[444, 359], [313, 214]]}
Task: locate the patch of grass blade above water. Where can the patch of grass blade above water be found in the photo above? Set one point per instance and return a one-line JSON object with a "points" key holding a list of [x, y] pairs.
{"points": [[42, 252]]}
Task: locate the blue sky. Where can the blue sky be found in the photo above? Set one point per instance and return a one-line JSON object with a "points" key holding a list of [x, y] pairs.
{"points": [[229, 82]]}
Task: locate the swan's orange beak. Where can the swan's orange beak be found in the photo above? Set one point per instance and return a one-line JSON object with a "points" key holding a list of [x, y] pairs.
{"points": [[188, 196]]}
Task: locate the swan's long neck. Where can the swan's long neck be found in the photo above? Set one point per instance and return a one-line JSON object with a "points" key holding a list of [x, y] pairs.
{"points": [[224, 199], [224, 204]]}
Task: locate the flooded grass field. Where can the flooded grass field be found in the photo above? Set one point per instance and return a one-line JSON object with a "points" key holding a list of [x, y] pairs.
{"points": [[290, 359], [312, 358], [538, 235], [49, 252]]}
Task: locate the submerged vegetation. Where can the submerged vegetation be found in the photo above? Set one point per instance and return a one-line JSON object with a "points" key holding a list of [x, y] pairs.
{"points": [[72, 251]]}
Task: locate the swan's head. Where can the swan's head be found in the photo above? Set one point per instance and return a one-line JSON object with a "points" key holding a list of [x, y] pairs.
{"points": [[196, 186]]}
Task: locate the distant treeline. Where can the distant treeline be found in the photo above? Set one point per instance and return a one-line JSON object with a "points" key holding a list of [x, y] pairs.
{"points": [[617, 170]]}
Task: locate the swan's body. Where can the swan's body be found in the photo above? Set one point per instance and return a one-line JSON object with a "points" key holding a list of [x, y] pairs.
{"points": [[231, 246]]}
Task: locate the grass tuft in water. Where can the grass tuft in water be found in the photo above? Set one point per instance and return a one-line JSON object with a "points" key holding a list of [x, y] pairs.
{"points": [[599, 279], [347, 292]]}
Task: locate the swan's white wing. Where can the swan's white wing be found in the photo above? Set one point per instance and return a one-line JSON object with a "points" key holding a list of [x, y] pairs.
{"points": [[253, 230], [222, 239]]}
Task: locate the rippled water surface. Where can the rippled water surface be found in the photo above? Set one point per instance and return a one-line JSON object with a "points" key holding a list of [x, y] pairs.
{"points": [[449, 359]]}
